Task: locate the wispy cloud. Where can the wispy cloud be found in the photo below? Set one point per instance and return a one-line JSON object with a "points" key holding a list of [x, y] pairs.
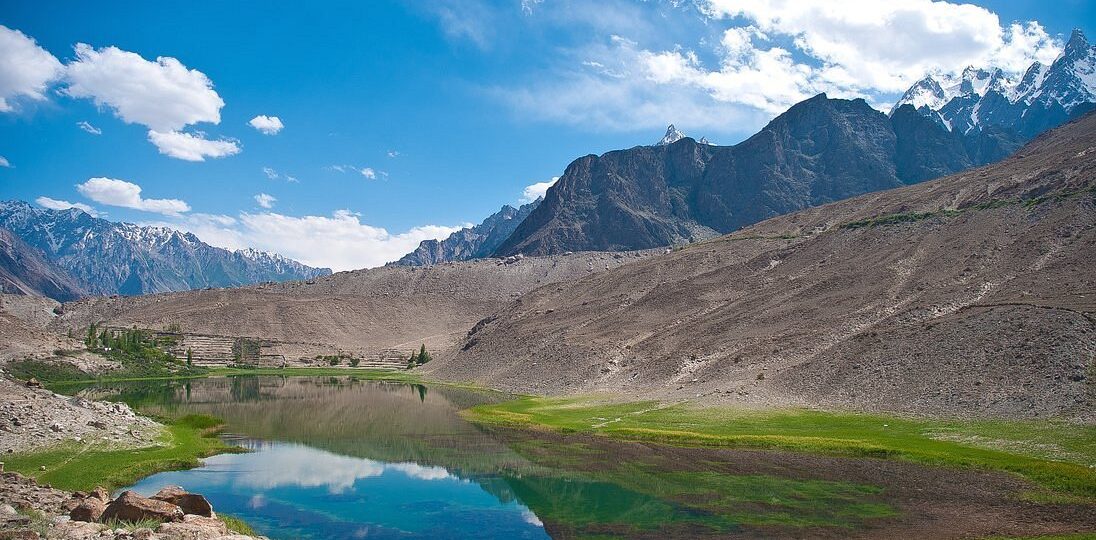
{"points": [[55, 204], [535, 191], [86, 126], [265, 201]]}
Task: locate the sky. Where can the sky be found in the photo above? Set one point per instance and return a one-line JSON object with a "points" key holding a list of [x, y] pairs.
{"points": [[342, 133]]}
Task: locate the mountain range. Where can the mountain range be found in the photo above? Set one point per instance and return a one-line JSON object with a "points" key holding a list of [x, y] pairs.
{"points": [[984, 99], [98, 256], [470, 242], [821, 150]]}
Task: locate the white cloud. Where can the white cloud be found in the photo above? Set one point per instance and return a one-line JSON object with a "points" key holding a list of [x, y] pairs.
{"points": [[393, 153], [55, 204], [769, 55], [265, 201], [340, 241], [4, 162], [270, 173], [86, 126], [163, 95], [537, 190], [886, 46], [113, 192], [369, 173], [267, 125], [26, 70], [192, 146]]}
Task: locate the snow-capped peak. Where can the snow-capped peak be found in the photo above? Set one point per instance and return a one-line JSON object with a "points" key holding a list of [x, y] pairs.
{"points": [[924, 93], [672, 135]]}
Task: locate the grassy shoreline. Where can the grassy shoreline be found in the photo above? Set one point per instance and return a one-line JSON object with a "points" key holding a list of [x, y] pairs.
{"points": [[1057, 457], [76, 466]]}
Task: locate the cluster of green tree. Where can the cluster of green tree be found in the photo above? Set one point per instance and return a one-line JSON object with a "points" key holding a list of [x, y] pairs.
{"points": [[419, 358], [141, 353], [245, 349]]}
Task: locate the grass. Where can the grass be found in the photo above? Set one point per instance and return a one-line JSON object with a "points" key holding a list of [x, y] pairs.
{"points": [[1056, 456], [74, 466], [236, 525]]}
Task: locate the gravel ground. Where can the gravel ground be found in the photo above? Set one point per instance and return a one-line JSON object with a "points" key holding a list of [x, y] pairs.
{"points": [[34, 418]]}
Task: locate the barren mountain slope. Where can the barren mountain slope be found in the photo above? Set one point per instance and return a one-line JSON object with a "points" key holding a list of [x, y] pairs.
{"points": [[363, 311], [25, 270], [985, 306]]}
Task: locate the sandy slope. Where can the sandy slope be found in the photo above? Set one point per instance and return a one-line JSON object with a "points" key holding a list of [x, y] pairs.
{"points": [[985, 310]]}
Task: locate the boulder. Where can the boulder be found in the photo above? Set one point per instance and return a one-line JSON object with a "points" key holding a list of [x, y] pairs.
{"points": [[130, 506], [194, 528], [90, 509], [33, 383], [191, 503]]}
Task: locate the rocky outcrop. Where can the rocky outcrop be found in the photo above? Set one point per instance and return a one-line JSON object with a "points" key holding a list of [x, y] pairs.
{"points": [[819, 151], [27, 509], [190, 503], [132, 507]]}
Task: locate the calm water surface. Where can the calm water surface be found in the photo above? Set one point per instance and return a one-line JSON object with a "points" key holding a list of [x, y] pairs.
{"points": [[345, 458]]}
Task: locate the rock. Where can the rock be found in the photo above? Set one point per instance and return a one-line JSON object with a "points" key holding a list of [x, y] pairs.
{"points": [[33, 383], [56, 427], [90, 509], [194, 528], [97, 424], [100, 493], [190, 503], [130, 506]]}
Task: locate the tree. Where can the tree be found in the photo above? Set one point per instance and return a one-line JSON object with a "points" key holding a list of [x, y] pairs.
{"points": [[424, 356], [189, 358]]}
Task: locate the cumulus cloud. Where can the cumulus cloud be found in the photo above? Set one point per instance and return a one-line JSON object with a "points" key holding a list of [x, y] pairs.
{"points": [[192, 146], [393, 153], [163, 95], [114, 192], [265, 201], [270, 173], [888, 45], [5, 163], [55, 204], [26, 70], [369, 173], [86, 126], [339, 241], [768, 55], [267, 125], [537, 190]]}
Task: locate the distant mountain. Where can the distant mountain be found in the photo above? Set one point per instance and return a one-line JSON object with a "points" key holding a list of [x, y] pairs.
{"points": [[472, 242], [26, 270], [819, 151], [122, 258], [672, 135], [987, 99]]}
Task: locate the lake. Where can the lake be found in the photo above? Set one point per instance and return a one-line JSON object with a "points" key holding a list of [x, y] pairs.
{"points": [[336, 457]]}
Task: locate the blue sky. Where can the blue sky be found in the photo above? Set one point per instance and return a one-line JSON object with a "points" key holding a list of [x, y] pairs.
{"points": [[455, 106]]}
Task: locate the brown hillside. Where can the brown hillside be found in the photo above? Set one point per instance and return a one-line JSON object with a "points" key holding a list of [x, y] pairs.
{"points": [[970, 294], [360, 312]]}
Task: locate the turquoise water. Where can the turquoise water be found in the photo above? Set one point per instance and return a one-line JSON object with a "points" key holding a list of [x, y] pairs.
{"points": [[343, 458], [288, 490]]}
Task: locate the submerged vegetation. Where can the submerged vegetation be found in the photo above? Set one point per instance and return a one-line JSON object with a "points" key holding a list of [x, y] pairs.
{"points": [[1053, 455]]}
